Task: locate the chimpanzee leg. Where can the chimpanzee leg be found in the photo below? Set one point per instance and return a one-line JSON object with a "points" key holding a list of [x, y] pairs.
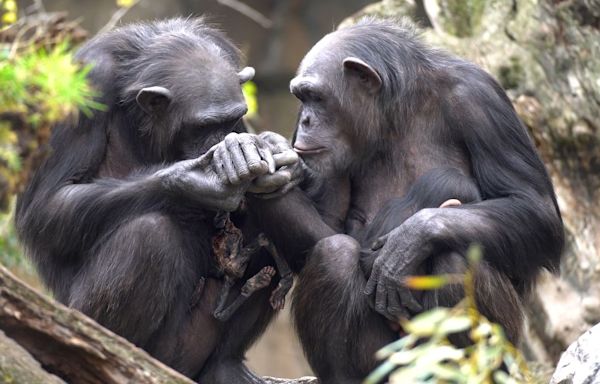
{"points": [[145, 269], [261, 280], [286, 280], [226, 365], [496, 297], [339, 332]]}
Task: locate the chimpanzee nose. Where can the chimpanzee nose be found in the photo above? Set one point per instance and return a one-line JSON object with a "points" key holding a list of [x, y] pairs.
{"points": [[305, 121]]}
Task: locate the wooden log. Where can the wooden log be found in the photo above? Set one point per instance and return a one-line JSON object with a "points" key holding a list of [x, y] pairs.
{"points": [[41, 338], [71, 345]]}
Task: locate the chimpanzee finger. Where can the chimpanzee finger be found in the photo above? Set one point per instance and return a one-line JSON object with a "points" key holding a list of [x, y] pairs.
{"points": [[269, 183], [395, 307], [228, 165], [451, 203], [237, 156], [202, 161], [266, 155], [408, 300], [284, 158], [218, 166], [252, 156], [379, 243], [374, 278], [381, 303], [278, 192]]}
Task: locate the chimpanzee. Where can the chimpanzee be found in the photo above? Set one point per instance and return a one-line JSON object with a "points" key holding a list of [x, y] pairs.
{"points": [[232, 261], [437, 188], [119, 218], [378, 111]]}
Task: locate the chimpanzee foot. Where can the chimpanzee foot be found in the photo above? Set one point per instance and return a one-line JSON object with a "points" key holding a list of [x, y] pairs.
{"points": [[259, 281], [277, 299]]}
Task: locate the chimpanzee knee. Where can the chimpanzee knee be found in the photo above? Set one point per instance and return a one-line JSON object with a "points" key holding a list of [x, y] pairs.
{"points": [[335, 256], [329, 307], [140, 269]]}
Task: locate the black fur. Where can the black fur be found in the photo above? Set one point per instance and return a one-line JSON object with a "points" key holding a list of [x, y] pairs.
{"points": [[111, 240], [379, 111]]}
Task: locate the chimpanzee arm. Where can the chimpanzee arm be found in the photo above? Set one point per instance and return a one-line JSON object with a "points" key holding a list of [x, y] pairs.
{"points": [[70, 205], [518, 223], [292, 223]]}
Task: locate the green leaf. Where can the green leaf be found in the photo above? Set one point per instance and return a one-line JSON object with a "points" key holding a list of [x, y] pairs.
{"points": [[454, 324], [448, 372], [425, 324], [126, 3], [405, 342], [426, 282], [250, 91], [380, 373], [474, 254]]}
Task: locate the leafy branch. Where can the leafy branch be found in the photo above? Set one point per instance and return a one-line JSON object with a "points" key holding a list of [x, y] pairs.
{"points": [[426, 354]]}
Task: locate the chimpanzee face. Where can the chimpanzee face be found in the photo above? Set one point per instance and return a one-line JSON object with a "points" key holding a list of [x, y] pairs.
{"points": [[333, 90], [194, 107]]}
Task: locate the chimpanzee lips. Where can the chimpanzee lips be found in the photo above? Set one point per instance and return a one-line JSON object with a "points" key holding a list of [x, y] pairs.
{"points": [[305, 149]]}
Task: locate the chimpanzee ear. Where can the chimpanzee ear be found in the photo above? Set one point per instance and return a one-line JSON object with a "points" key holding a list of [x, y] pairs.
{"points": [[246, 74], [153, 99], [363, 72]]}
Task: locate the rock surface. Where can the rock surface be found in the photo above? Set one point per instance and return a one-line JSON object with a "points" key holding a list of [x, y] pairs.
{"points": [[580, 364]]}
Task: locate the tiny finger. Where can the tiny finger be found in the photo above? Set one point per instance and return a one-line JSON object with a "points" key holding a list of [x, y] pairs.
{"points": [[451, 203], [381, 303], [285, 158], [372, 282], [395, 307], [274, 181], [379, 243], [409, 301]]}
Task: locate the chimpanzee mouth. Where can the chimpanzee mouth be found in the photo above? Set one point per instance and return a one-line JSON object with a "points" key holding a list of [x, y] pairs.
{"points": [[309, 151]]}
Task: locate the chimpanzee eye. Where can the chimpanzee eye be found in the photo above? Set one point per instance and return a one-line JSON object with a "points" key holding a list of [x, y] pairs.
{"points": [[313, 96]]}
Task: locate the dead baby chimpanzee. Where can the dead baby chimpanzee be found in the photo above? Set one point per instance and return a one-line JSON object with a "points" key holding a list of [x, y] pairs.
{"points": [[119, 218], [380, 110], [232, 260]]}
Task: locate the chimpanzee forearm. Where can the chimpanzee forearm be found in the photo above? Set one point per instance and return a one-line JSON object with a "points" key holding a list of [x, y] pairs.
{"points": [[292, 223], [519, 235], [73, 210]]}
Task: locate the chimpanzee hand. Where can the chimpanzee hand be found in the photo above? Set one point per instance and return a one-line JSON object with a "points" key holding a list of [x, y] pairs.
{"points": [[403, 251], [220, 178], [288, 172]]}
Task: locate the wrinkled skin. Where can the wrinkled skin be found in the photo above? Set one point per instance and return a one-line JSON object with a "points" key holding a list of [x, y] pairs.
{"points": [[378, 111], [119, 218]]}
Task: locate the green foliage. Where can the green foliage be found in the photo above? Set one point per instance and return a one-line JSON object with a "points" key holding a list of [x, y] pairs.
{"points": [[48, 85], [250, 91], [10, 251], [462, 18], [8, 12], [41, 84], [126, 3], [511, 75], [426, 355]]}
